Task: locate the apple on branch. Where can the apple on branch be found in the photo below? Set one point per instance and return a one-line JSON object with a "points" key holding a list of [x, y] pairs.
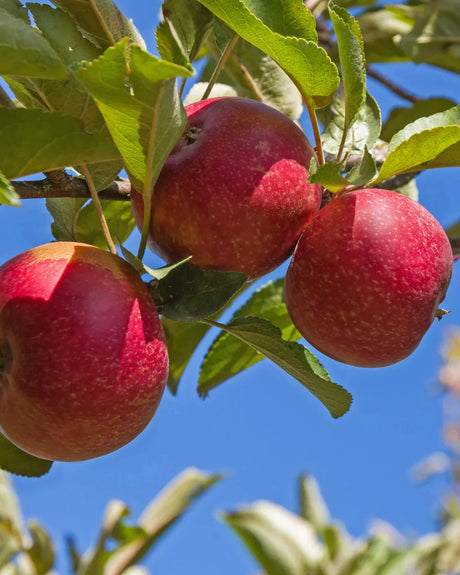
{"points": [[83, 360], [367, 277], [234, 192]]}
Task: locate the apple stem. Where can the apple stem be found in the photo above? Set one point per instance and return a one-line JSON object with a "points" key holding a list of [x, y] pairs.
{"points": [[220, 64], [316, 131], [99, 211], [342, 144]]}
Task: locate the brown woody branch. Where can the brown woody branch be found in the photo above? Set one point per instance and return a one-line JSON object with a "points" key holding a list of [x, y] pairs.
{"points": [[59, 184]]}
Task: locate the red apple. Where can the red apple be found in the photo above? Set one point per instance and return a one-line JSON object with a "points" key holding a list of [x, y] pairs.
{"points": [[83, 360], [234, 193], [367, 276]]}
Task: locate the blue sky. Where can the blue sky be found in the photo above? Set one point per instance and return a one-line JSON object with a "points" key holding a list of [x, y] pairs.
{"points": [[262, 428]]}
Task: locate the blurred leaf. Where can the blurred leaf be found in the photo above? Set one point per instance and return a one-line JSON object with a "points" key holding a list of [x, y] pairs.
{"points": [[95, 562], [431, 142], [368, 558], [286, 32], [24, 51], [400, 117], [434, 37], [101, 21], [313, 508], [181, 339], [160, 514], [338, 542], [183, 30], [138, 98], [255, 75], [381, 26], [454, 230], [64, 212], [228, 355], [283, 543], [15, 8], [119, 218], [14, 460], [363, 133], [295, 359], [410, 189], [328, 175], [190, 293], [401, 562], [352, 62], [10, 521], [33, 141], [8, 195], [41, 552]]}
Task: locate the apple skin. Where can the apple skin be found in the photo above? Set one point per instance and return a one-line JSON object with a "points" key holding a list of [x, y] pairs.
{"points": [[367, 276], [83, 360], [234, 192]]}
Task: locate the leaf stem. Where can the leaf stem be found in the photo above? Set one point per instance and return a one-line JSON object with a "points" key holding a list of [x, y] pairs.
{"points": [[342, 144], [316, 132], [220, 64], [99, 210]]}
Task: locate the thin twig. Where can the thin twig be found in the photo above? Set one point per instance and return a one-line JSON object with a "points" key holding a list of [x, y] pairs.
{"points": [[220, 64], [392, 86], [69, 187], [100, 213]]}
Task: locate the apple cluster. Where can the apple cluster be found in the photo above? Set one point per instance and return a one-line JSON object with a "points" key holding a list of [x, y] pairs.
{"points": [[83, 358]]}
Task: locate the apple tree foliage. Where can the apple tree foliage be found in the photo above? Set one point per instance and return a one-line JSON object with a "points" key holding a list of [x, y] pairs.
{"points": [[83, 99]]}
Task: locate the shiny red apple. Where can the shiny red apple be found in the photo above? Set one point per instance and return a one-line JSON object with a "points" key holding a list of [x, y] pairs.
{"points": [[234, 193], [367, 277], [83, 360]]}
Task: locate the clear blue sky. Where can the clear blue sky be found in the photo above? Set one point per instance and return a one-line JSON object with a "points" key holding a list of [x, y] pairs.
{"points": [[262, 427]]}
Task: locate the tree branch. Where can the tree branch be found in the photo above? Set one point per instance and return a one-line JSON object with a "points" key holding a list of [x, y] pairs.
{"points": [[391, 85], [58, 184]]}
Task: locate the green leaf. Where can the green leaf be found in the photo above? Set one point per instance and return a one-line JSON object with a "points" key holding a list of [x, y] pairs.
{"points": [[400, 117], [10, 521], [137, 96], [95, 561], [432, 142], [368, 558], [15, 8], [404, 561], [8, 194], [255, 75], [364, 171], [228, 356], [160, 514], [352, 61], [190, 293], [101, 21], [282, 542], [181, 339], [119, 217], [64, 212], [33, 141], [363, 133], [70, 97], [312, 505], [24, 51], [286, 32], [14, 460], [183, 30], [295, 359], [41, 552], [328, 175]]}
